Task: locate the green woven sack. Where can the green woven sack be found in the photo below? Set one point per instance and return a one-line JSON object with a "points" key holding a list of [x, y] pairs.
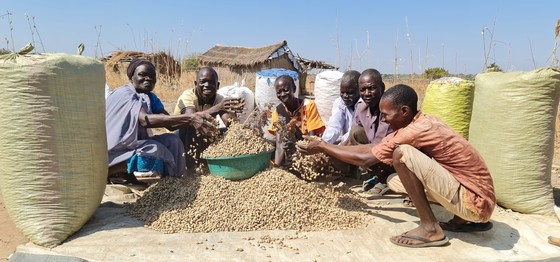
{"points": [[512, 126], [54, 145], [450, 99]]}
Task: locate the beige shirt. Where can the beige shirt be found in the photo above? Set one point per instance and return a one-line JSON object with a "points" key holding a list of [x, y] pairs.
{"points": [[188, 99], [454, 153]]}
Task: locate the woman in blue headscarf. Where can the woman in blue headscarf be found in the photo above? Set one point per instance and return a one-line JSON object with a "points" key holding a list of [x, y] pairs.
{"points": [[130, 110]]}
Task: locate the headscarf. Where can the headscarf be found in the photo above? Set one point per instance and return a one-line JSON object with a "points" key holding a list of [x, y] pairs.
{"points": [[136, 62]]}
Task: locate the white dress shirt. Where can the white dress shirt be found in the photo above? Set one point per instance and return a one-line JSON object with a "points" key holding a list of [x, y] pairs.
{"points": [[340, 121]]}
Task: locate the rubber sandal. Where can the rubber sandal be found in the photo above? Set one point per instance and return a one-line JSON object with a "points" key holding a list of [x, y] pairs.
{"points": [[424, 241], [466, 227], [407, 202], [128, 180], [554, 240], [379, 189]]}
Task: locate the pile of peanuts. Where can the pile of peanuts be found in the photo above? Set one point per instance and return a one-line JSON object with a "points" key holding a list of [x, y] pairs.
{"points": [[310, 167], [238, 140], [271, 200]]}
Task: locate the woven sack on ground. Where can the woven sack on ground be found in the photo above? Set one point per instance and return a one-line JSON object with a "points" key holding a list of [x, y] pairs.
{"points": [[512, 126], [54, 145], [326, 90], [450, 99]]}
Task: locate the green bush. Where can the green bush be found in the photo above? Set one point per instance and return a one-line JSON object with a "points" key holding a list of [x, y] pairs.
{"points": [[435, 73], [190, 63], [494, 68]]}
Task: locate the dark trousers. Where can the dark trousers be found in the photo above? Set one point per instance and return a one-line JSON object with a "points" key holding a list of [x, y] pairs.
{"points": [[358, 136]]}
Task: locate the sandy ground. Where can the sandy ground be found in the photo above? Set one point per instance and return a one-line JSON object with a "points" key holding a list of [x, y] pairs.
{"points": [[10, 236], [111, 236]]}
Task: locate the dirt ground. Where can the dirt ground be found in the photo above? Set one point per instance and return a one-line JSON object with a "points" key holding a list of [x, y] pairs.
{"points": [[112, 236], [10, 236], [515, 237]]}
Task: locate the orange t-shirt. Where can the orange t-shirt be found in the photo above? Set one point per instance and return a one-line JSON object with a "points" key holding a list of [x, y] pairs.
{"points": [[454, 153], [308, 119]]}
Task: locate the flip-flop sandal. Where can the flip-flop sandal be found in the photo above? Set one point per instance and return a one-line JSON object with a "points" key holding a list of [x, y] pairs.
{"points": [[379, 189], [128, 180], [424, 241], [466, 227], [554, 240], [407, 202]]}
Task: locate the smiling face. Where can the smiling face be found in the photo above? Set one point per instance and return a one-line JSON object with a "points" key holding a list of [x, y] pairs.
{"points": [[284, 90], [144, 78], [396, 117], [207, 84], [370, 91]]}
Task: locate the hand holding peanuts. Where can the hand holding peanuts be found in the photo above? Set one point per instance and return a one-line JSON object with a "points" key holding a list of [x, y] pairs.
{"points": [[310, 145], [236, 105]]}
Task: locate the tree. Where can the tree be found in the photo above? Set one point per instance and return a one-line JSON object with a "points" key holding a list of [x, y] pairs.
{"points": [[190, 63], [494, 68], [435, 73]]}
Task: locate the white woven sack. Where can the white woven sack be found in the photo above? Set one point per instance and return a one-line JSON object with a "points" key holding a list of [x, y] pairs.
{"points": [[54, 145], [326, 90], [264, 86], [240, 92]]}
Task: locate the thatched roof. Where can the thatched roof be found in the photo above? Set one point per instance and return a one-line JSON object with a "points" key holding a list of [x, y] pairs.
{"points": [[308, 64], [249, 56], [165, 63], [238, 55]]}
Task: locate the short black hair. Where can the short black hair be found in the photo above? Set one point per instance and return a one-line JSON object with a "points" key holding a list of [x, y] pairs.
{"points": [[377, 79], [287, 78], [351, 77], [208, 69], [402, 95]]}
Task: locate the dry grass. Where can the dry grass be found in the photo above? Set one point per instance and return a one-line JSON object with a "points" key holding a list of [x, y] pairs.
{"points": [[167, 88], [170, 88], [419, 85]]}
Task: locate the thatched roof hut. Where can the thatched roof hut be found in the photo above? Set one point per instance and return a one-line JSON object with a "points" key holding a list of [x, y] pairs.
{"points": [[239, 62], [164, 62]]}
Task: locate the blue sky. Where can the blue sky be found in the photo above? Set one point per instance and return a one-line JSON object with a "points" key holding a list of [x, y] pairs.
{"points": [[440, 33]]}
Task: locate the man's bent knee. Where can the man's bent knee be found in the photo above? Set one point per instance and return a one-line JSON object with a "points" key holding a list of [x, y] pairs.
{"points": [[397, 155]]}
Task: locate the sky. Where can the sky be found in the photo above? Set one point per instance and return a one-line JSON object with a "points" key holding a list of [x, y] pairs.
{"points": [[392, 36]]}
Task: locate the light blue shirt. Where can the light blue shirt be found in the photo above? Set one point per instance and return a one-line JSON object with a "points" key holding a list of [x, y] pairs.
{"points": [[340, 122]]}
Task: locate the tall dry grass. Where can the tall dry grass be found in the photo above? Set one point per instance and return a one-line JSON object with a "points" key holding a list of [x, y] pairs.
{"points": [[170, 88], [419, 85]]}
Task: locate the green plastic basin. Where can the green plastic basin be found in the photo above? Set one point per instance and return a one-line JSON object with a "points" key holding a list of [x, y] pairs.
{"points": [[238, 167]]}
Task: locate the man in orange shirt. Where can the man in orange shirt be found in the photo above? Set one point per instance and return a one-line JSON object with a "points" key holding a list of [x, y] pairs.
{"points": [[299, 115], [433, 163]]}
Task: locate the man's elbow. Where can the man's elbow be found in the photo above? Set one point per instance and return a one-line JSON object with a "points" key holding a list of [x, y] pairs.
{"points": [[367, 158]]}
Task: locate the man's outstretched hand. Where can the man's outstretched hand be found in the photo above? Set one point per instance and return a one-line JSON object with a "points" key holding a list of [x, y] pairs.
{"points": [[310, 145], [203, 121], [236, 105]]}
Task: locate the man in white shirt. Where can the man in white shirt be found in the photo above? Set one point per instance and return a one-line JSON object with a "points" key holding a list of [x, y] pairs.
{"points": [[343, 109]]}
